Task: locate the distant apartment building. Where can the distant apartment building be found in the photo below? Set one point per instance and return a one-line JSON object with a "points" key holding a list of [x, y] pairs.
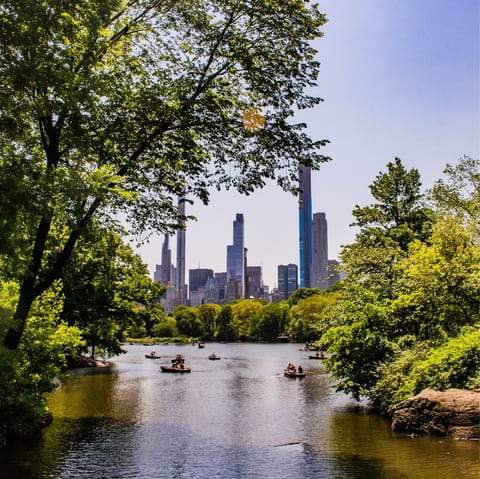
{"points": [[222, 284], [212, 292], [168, 300], [253, 282], [197, 279], [232, 290], [287, 280]]}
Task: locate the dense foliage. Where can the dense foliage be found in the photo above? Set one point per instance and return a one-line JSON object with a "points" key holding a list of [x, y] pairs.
{"points": [[121, 107], [116, 107], [408, 315]]}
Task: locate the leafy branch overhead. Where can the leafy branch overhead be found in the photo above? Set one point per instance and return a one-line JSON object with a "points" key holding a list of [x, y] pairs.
{"points": [[118, 106]]}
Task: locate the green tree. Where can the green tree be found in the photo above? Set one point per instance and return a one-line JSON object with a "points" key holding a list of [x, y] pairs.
{"points": [[360, 342], [438, 291], [270, 321], [424, 331], [458, 195], [244, 312], [225, 330], [166, 328], [187, 322], [27, 373], [107, 291], [302, 293], [208, 314], [309, 317], [398, 217], [116, 106]]}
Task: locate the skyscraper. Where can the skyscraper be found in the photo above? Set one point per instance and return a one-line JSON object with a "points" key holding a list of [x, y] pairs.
{"points": [[319, 270], [236, 255], [253, 282], [181, 287], [305, 225], [166, 266], [197, 278], [287, 280]]}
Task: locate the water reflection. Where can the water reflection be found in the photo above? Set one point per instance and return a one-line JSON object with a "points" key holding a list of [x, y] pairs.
{"points": [[233, 418]]}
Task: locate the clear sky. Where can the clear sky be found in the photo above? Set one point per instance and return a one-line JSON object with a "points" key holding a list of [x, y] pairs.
{"points": [[398, 78]]}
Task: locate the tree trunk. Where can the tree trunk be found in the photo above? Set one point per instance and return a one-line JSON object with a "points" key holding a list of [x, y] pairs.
{"points": [[25, 300]]}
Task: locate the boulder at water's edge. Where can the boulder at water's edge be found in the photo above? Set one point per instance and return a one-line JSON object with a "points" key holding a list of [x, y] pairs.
{"points": [[454, 413]]}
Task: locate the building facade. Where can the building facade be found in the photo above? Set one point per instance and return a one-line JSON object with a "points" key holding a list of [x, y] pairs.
{"points": [[319, 275], [287, 280], [305, 225], [197, 278], [181, 287], [236, 255], [163, 272], [253, 282]]}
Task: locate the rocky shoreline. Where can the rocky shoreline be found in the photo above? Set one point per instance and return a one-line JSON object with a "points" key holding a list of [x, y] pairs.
{"points": [[79, 361], [453, 413]]}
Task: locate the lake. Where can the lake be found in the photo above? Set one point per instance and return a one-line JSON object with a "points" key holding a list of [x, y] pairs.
{"points": [[237, 417]]}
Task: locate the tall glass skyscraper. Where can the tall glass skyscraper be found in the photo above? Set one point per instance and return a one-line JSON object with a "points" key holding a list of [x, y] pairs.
{"points": [[305, 225], [236, 255], [319, 270]]}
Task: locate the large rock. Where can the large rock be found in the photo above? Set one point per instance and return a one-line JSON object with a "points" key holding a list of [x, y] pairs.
{"points": [[84, 362], [454, 413]]}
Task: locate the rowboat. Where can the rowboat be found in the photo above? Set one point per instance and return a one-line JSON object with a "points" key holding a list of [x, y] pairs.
{"points": [[317, 356], [175, 369], [292, 374], [152, 356], [213, 357]]}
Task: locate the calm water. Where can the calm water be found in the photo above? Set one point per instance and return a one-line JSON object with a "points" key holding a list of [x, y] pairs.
{"points": [[233, 418]]}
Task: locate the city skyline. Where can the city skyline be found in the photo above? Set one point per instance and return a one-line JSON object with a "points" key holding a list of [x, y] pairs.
{"points": [[398, 79]]}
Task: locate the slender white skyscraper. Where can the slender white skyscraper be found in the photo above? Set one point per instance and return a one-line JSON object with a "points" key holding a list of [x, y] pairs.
{"points": [[319, 271], [181, 287]]}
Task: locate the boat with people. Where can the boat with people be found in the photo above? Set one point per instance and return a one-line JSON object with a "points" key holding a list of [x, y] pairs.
{"points": [[201, 345], [175, 368], [152, 355], [318, 355], [179, 358], [213, 357], [292, 371], [293, 374]]}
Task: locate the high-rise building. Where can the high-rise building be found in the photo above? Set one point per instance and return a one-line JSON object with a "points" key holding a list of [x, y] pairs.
{"points": [[222, 279], [287, 280], [232, 290], [319, 275], [197, 279], [181, 287], [212, 293], [236, 255], [253, 282], [305, 225], [163, 272]]}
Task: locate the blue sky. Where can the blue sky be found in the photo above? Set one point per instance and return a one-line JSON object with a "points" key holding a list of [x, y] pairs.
{"points": [[398, 78]]}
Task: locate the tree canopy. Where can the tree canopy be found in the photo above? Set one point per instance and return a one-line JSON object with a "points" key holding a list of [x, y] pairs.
{"points": [[407, 316], [111, 107]]}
